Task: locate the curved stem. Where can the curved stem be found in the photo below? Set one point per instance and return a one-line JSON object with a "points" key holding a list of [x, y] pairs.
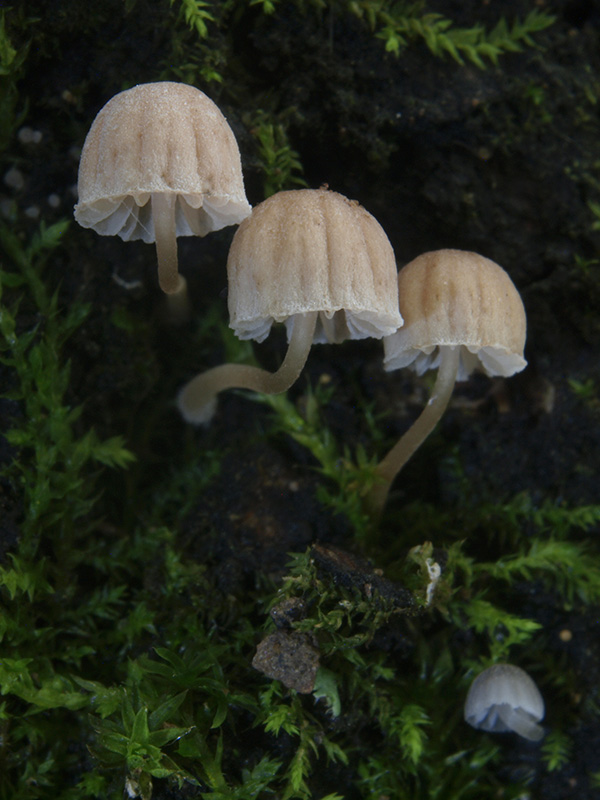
{"points": [[163, 214], [197, 399], [392, 463]]}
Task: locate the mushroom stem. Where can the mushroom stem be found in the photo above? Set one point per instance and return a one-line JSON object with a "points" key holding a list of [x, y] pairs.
{"points": [[163, 214], [197, 399], [392, 463]]}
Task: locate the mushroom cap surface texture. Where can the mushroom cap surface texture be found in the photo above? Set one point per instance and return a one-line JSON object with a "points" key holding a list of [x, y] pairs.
{"points": [[310, 250], [505, 698], [166, 138], [455, 298]]}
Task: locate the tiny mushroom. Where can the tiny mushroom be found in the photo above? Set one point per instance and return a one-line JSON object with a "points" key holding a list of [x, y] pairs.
{"points": [[504, 698], [317, 262], [160, 161], [461, 312]]}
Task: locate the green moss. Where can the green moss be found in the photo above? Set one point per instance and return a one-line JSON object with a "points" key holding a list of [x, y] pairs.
{"points": [[125, 661], [398, 27], [279, 162], [397, 24], [348, 477]]}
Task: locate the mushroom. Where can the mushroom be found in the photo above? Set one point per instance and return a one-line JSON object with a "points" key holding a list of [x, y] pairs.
{"points": [[461, 312], [317, 262], [160, 161], [504, 698]]}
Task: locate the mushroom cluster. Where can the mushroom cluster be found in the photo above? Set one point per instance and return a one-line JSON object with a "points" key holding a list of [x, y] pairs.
{"points": [[160, 161]]}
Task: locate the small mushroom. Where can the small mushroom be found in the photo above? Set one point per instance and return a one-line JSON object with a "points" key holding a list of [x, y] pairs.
{"points": [[317, 262], [461, 312], [160, 161], [504, 698]]}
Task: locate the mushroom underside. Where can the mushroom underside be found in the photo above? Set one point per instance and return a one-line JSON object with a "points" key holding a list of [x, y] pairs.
{"points": [[131, 217], [332, 327], [502, 718], [490, 359]]}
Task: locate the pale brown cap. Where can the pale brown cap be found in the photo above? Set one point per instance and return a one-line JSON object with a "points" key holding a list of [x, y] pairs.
{"points": [[455, 298], [160, 138], [312, 250]]}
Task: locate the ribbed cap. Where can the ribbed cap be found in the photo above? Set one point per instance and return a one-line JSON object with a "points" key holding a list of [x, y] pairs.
{"points": [[312, 250], [455, 298], [160, 138]]}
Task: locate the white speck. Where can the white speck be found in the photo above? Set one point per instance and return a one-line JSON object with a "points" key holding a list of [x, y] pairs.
{"points": [[27, 135], [434, 570], [53, 200], [14, 178], [32, 212], [127, 285]]}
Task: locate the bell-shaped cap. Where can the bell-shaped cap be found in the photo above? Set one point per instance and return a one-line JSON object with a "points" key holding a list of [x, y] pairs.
{"points": [[312, 250], [504, 698], [455, 298], [165, 138]]}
